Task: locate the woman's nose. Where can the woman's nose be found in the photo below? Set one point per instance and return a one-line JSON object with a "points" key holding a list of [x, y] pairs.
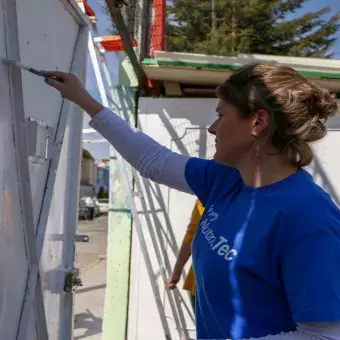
{"points": [[212, 129]]}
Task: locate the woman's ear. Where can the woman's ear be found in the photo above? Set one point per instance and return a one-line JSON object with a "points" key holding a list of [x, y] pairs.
{"points": [[261, 121]]}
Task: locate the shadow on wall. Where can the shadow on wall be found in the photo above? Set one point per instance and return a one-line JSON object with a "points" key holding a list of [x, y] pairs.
{"points": [[186, 126], [89, 322], [197, 111], [160, 232], [188, 135], [164, 243]]}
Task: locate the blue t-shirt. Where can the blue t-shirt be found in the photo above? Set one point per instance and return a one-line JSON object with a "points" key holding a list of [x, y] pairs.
{"points": [[264, 258]]}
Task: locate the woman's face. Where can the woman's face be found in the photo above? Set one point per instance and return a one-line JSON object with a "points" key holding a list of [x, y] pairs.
{"points": [[234, 135]]}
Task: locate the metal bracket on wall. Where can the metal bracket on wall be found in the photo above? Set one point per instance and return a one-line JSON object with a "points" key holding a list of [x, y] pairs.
{"points": [[40, 145], [62, 280], [82, 238], [72, 280]]}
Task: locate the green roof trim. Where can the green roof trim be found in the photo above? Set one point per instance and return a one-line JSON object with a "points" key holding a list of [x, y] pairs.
{"points": [[233, 67]]}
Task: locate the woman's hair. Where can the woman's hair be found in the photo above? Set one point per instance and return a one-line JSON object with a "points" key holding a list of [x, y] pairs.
{"points": [[298, 108]]}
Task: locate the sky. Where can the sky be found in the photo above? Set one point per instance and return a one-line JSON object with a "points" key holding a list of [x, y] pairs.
{"points": [[101, 151], [315, 5]]}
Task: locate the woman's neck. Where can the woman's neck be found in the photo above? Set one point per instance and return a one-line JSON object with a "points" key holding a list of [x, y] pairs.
{"points": [[258, 172]]}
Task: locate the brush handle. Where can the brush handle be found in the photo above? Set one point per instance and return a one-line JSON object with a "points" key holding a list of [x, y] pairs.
{"points": [[55, 78], [38, 73]]}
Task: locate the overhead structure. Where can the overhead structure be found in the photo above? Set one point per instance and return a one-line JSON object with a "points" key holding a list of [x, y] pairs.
{"points": [[197, 73], [118, 21], [113, 43]]}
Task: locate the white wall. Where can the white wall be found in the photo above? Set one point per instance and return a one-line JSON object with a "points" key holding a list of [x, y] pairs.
{"points": [[166, 120], [13, 267], [46, 44], [46, 39]]}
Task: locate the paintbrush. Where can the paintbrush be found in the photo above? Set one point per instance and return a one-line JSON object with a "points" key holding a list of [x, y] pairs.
{"points": [[30, 69]]}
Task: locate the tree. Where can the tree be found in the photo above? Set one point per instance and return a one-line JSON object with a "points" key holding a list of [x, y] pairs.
{"points": [[102, 193], [229, 27], [87, 155]]}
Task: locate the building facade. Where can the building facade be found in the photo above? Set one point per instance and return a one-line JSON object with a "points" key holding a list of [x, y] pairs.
{"points": [[88, 176]]}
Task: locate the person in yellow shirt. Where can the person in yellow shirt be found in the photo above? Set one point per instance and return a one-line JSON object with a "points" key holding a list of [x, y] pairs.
{"points": [[185, 253]]}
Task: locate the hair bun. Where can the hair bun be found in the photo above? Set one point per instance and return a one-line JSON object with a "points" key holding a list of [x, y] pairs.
{"points": [[312, 131], [322, 104]]}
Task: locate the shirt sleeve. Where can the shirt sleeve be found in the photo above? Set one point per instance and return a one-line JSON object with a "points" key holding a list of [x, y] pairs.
{"points": [[194, 221], [149, 158], [204, 176], [311, 267]]}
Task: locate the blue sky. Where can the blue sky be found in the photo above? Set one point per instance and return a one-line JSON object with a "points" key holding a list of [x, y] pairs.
{"points": [[315, 5], [100, 151]]}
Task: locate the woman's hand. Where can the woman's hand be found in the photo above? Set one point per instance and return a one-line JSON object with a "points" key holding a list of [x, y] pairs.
{"points": [[72, 89], [173, 280]]}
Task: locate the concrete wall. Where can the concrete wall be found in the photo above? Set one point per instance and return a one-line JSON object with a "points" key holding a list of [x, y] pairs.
{"points": [[88, 172], [180, 124]]}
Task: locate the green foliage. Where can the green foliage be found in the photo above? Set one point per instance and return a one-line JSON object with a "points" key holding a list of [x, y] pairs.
{"points": [[102, 193], [87, 154], [249, 26]]}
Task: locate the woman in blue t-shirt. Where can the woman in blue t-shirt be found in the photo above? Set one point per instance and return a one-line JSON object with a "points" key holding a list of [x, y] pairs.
{"points": [[267, 252]]}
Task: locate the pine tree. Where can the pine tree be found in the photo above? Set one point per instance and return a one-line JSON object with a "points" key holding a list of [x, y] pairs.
{"points": [[101, 193], [229, 27]]}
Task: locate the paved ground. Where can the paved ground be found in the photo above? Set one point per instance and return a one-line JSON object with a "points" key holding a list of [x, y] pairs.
{"points": [[89, 299]]}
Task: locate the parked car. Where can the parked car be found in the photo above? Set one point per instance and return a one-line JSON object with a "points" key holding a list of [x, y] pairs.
{"points": [[96, 207], [88, 203], [82, 211], [103, 205]]}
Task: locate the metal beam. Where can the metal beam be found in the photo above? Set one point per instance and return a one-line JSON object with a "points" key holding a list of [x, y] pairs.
{"points": [[85, 131], [58, 139], [78, 15], [118, 21], [73, 147], [19, 134], [94, 141]]}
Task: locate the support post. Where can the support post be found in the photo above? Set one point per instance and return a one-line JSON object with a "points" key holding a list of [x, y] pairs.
{"points": [[118, 252], [119, 234], [118, 21]]}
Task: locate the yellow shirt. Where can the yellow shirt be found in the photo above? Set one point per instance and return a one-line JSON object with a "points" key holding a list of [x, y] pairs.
{"points": [[189, 283]]}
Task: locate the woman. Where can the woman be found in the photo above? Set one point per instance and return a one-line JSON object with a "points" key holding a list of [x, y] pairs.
{"points": [[185, 253], [267, 252]]}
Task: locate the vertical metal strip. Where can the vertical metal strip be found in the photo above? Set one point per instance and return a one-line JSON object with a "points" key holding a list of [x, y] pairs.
{"points": [[19, 136], [72, 176], [39, 310], [116, 300], [58, 140]]}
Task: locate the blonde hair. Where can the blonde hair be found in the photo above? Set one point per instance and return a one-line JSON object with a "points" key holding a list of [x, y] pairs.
{"points": [[298, 107]]}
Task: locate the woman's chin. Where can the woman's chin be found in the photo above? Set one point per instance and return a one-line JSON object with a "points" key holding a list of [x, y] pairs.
{"points": [[217, 158]]}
